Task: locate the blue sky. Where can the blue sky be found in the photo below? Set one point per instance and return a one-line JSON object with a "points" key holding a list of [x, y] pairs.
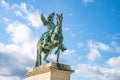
{"points": [[91, 30]]}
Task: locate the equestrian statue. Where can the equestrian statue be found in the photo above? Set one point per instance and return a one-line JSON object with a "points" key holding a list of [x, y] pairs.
{"points": [[50, 39]]}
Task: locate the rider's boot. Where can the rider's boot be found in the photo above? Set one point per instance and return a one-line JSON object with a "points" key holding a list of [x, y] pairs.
{"points": [[45, 42]]}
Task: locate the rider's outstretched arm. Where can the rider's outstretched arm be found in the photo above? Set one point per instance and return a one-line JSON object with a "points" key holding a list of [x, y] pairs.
{"points": [[44, 21]]}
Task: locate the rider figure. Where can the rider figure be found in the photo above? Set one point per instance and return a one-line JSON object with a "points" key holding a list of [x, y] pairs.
{"points": [[49, 23]]}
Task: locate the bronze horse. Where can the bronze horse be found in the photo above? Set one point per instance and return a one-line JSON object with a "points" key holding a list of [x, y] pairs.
{"points": [[54, 40]]}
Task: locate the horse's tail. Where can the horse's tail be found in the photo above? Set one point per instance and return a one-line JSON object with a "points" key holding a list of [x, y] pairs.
{"points": [[39, 49], [38, 46]]}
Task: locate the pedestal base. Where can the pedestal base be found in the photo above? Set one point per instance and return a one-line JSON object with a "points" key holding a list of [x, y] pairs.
{"points": [[50, 71]]}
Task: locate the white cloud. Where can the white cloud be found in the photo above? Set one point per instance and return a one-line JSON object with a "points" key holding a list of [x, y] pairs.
{"points": [[52, 57], [94, 48], [20, 51], [115, 47], [80, 44], [6, 20], [23, 6], [19, 54], [30, 14], [96, 72], [2, 47], [4, 71], [87, 1], [113, 36], [69, 31], [14, 58], [116, 36], [4, 4], [69, 52], [98, 45], [10, 78], [93, 55], [18, 13], [89, 71], [111, 74], [114, 62], [12, 49], [66, 29], [19, 32], [34, 19]]}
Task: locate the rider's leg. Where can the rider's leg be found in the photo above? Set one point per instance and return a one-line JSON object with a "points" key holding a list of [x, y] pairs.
{"points": [[45, 41]]}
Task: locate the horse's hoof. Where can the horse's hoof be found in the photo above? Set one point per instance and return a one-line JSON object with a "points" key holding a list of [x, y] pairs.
{"points": [[47, 61], [64, 49]]}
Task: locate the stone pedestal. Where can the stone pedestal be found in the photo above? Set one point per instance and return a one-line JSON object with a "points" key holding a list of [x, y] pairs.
{"points": [[50, 71]]}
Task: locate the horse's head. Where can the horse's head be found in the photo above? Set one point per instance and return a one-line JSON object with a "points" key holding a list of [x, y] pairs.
{"points": [[59, 19], [57, 34]]}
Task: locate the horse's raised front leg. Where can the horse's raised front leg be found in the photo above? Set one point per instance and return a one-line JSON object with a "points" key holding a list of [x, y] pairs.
{"points": [[63, 48], [58, 56], [57, 52]]}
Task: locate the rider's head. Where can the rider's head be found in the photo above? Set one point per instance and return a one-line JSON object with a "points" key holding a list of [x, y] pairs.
{"points": [[51, 16]]}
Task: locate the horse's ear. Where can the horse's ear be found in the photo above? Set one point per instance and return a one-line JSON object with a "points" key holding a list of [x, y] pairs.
{"points": [[53, 13], [61, 14]]}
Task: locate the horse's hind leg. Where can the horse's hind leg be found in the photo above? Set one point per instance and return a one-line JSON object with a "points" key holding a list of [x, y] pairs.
{"points": [[46, 55]]}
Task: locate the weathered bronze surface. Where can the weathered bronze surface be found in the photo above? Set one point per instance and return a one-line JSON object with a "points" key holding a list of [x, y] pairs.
{"points": [[51, 39]]}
